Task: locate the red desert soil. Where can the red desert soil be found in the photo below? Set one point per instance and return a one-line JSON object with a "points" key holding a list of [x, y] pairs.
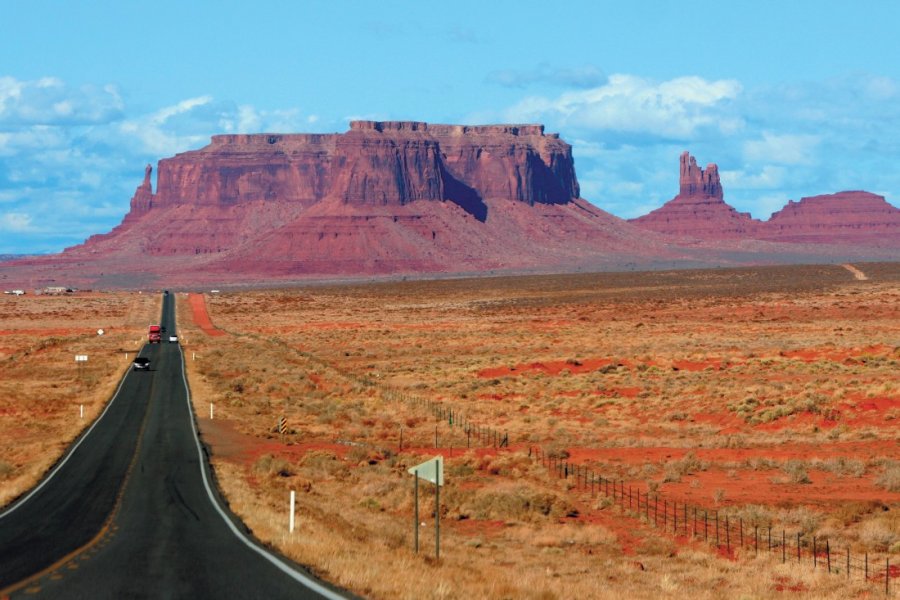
{"points": [[201, 316]]}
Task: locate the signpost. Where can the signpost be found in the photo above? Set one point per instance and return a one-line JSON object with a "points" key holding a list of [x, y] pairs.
{"points": [[432, 471], [80, 359]]}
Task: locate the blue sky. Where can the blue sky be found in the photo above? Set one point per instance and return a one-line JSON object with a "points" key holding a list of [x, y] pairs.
{"points": [[790, 99]]}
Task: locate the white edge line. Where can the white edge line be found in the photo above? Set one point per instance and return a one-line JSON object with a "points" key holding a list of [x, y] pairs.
{"points": [[69, 454], [280, 564]]}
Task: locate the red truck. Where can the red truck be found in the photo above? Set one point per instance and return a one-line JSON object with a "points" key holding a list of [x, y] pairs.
{"points": [[154, 335]]}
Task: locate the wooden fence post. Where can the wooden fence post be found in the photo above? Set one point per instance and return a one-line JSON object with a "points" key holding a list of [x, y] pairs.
{"points": [[705, 526], [727, 535], [656, 511], [675, 518], [716, 517]]}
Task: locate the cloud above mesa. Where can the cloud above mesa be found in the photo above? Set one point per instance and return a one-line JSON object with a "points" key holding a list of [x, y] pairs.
{"points": [[680, 108]]}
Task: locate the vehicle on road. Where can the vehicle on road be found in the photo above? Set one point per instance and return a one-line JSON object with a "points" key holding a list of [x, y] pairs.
{"points": [[154, 335], [173, 339], [141, 363]]}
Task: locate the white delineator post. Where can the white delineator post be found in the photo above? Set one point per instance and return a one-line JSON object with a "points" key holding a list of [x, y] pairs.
{"points": [[81, 411], [210, 411], [291, 519]]}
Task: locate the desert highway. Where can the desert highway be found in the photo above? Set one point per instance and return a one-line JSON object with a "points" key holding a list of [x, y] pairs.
{"points": [[131, 510]]}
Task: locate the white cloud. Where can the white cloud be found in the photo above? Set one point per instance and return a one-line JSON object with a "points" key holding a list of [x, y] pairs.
{"points": [[676, 109], [49, 101], [787, 149], [15, 222], [769, 177]]}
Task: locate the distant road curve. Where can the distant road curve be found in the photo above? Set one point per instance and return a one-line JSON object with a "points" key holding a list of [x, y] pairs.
{"points": [[131, 511], [856, 272]]}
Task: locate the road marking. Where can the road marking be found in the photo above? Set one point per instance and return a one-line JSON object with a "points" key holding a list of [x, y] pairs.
{"points": [[285, 568]]}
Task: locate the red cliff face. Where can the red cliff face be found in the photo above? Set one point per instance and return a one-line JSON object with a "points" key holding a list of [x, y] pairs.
{"points": [[858, 218], [375, 163], [699, 210]]}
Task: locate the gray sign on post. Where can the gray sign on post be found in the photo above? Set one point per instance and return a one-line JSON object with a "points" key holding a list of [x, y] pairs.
{"points": [[431, 471]]}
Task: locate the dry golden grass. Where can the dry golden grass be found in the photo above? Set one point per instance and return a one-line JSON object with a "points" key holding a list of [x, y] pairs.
{"points": [[41, 389], [769, 394]]}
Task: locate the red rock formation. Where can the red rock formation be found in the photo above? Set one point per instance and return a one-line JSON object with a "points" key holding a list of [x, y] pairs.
{"points": [[384, 197], [142, 201], [699, 210], [857, 218], [697, 182], [375, 163], [259, 182]]}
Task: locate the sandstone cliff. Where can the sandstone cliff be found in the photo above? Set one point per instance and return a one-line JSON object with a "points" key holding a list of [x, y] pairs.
{"points": [[375, 163]]}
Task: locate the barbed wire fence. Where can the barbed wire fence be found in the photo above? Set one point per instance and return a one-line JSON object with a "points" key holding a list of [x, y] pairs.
{"points": [[726, 533]]}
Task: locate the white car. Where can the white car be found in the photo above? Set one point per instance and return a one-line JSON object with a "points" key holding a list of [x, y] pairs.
{"points": [[173, 339]]}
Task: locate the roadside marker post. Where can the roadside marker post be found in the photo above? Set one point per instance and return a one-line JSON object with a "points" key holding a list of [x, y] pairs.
{"points": [[210, 411], [81, 411], [291, 519], [416, 514]]}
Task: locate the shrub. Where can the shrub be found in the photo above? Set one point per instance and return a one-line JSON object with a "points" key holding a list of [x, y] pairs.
{"points": [[796, 471], [890, 477], [271, 465], [515, 502]]}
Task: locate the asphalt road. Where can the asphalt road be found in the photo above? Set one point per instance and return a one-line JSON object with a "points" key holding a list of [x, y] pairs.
{"points": [[131, 511]]}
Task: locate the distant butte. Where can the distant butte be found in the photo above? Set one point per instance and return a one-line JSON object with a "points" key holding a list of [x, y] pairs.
{"points": [[854, 217], [699, 210]]}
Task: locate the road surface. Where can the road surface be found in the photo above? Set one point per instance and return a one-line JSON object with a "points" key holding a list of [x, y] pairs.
{"points": [[131, 511]]}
